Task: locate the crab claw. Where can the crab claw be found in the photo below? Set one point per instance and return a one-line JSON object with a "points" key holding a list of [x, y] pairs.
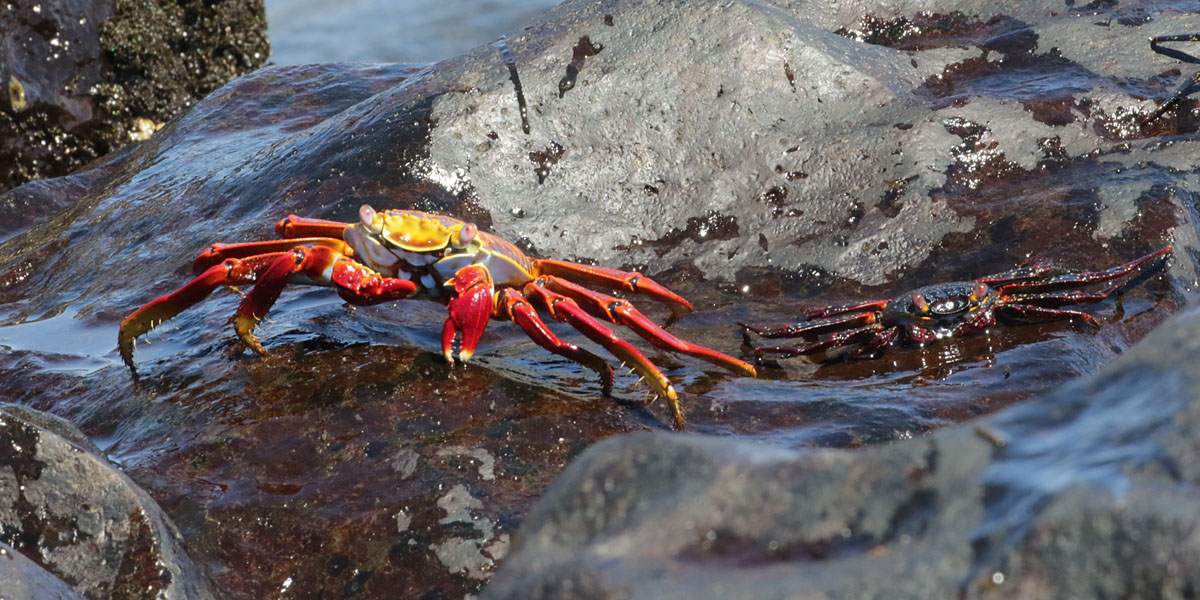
{"points": [[470, 309]]}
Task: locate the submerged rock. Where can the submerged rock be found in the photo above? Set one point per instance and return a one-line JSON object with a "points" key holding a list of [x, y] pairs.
{"points": [[742, 153]]}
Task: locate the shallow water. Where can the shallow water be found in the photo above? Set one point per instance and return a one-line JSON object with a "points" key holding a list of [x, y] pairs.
{"points": [[406, 31]]}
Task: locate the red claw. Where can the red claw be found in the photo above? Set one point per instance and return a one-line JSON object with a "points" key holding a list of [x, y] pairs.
{"points": [[470, 310]]}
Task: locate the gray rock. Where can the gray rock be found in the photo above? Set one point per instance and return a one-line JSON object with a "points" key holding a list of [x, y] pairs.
{"points": [[69, 512], [23, 579], [1085, 492]]}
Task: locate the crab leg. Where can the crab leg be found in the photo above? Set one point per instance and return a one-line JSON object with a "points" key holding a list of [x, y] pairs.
{"points": [[817, 326], [1189, 85], [1064, 298], [1028, 310], [295, 226], [879, 340], [621, 312], [1018, 274], [840, 338], [629, 281], [219, 252], [1085, 276], [232, 271], [567, 311], [828, 311], [517, 308], [318, 265]]}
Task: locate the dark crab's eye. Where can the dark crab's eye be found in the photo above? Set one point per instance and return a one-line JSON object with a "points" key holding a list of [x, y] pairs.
{"points": [[979, 293], [920, 303]]}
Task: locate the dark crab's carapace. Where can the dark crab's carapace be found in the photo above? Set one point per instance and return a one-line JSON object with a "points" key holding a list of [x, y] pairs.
{"points": [[945, 310]]}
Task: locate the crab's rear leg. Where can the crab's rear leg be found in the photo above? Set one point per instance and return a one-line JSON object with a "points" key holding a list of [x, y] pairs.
{"points": [[218, 252], [814, 326], [1189, 85], [231, 271], [568, 311], [829, 311], [1083, 277], [877, 332], [628, 281], [621, 312], [517, 308], [316, 265], [295, 226], [1028, 310]]}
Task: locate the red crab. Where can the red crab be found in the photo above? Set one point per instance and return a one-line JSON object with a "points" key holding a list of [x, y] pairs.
{"points": [[944, 310], [396, 254]]}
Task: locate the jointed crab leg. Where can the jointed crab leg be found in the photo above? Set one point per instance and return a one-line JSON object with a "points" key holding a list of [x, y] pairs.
{"points": [[270, 272], [816, 326], [629, 281], [1084, 276], [293, 226], [1063, 298], [219, 252], [567, 311], [879, 335], [622, 312], [517, 308], [828, 311], [1026, 272], [232, 271], [1029, 310], [317, 265], [1189, 86]]}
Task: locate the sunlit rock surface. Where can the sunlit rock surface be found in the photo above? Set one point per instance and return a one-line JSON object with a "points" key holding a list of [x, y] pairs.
{"points": [[742, 153]]}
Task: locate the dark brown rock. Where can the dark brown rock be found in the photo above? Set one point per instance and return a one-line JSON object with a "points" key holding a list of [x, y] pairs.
{"points": [[82, 79]]}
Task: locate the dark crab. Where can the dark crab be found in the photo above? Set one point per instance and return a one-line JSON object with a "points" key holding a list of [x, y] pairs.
{"points": [[946, 310], [1190, 84]]}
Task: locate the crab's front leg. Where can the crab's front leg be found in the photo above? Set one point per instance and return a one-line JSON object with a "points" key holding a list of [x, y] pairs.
{"points": [[319, 265], [230, 272]]}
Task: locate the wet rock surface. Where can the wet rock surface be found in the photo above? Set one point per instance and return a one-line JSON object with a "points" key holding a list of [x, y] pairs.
{"points": [[1084, 492], [67, 510], [84, 78], [23, 578], [742, 153]]}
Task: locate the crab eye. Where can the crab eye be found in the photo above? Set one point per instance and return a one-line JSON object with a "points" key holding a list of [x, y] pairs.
{"points": [[366, 215], [920, 303], [979, 293], [466, 235]]}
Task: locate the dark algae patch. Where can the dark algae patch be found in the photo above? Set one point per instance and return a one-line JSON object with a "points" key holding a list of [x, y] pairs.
{"points": [[85, 80]]}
